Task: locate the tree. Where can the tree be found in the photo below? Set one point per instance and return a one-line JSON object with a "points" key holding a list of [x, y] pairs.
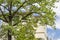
{"points": [[22, 15]]}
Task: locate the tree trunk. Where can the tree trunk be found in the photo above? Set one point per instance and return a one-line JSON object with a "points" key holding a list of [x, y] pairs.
{"points": [[9, 30], [9, 35]]}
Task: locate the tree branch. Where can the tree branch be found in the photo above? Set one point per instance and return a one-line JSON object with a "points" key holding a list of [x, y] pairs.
{"points": [[3, 15], [4, 7], [19, 8], [24, 18], [10, 7], [3, 20], [10, 13]]}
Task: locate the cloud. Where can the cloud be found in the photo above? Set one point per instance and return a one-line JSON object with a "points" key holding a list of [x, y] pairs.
{"points": [[49, 27], [58, 39], [58, 25]]}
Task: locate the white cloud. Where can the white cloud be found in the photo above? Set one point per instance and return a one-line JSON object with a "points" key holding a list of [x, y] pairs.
{"points": [[49, 27], [58, 39], [58, 25]]}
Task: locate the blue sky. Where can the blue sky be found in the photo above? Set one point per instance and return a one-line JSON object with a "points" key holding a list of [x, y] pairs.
{"points": [[55, 34]]}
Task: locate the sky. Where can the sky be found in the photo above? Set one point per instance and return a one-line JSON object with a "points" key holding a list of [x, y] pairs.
{"points": [[54, 34]]}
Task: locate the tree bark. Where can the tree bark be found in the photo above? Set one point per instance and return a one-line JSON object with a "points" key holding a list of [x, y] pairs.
{"points": [[9, 35], [9, 30]]}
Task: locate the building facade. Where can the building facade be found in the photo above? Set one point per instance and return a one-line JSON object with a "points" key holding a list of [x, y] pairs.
{"points": [[41, 33]]}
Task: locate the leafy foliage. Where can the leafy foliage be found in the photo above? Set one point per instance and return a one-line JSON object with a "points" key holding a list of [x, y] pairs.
{"points": [[23, 15]]}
